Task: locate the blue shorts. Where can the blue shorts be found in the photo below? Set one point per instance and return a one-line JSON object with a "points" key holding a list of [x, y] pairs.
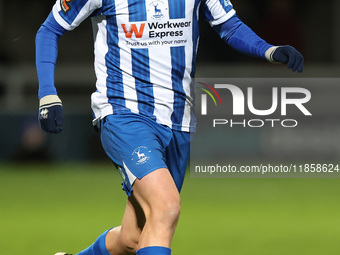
{"points": [[138, 145]]}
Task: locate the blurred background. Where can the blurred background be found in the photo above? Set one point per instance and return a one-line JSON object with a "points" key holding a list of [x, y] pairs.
{"points": [[59, 192]]}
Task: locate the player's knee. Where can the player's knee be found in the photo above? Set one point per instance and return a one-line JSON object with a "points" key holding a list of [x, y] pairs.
{"points": [[173, 210], [168, 212]]}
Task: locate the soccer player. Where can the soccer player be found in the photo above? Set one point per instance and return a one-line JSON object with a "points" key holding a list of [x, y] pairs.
{"points": [[145, 52]]}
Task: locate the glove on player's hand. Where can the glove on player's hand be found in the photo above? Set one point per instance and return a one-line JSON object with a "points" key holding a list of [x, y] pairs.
{"points": [[286, 55], [50, 114]]}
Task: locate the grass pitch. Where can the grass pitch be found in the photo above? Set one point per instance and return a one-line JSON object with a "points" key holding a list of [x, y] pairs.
{"points": [[51, 208]]}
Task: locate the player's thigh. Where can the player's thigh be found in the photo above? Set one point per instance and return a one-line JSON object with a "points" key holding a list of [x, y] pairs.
{"points": [[157, 193]]}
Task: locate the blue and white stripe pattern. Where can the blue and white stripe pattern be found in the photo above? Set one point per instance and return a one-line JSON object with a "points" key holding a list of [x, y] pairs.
{"points": [[145, 53]]}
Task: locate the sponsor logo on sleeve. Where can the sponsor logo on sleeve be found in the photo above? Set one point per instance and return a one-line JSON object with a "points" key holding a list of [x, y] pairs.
{"points": [[65, 5]]}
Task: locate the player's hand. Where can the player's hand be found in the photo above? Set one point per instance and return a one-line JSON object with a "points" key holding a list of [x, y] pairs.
{"points": [[287, 55], [50, 114]]}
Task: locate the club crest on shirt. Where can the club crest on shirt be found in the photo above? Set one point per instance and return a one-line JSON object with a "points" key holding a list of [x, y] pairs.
{"points": [[141, 155], [65, 5], [156, 9]]}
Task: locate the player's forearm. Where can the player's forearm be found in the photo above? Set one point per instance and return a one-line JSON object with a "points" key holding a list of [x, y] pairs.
{"points": [[241, 38], [46, 55]]}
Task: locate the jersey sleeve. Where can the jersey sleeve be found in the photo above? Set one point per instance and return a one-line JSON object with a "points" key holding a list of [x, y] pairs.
{"points": [[217, 11], [70, 13], [241, 38]]}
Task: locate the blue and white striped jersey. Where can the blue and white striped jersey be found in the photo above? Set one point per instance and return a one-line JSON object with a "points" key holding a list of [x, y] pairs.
{"points": [[145, 53]]}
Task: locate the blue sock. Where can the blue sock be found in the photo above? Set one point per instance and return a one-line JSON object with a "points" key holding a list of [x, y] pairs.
{"points": [[154, 250], [98, 247]]}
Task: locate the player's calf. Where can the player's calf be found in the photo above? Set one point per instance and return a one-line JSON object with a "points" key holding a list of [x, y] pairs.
{"points": [[129, 243], [121, 241]]}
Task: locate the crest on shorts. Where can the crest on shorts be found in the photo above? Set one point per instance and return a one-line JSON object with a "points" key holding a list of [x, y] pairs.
{"points": [[141, 155]]}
